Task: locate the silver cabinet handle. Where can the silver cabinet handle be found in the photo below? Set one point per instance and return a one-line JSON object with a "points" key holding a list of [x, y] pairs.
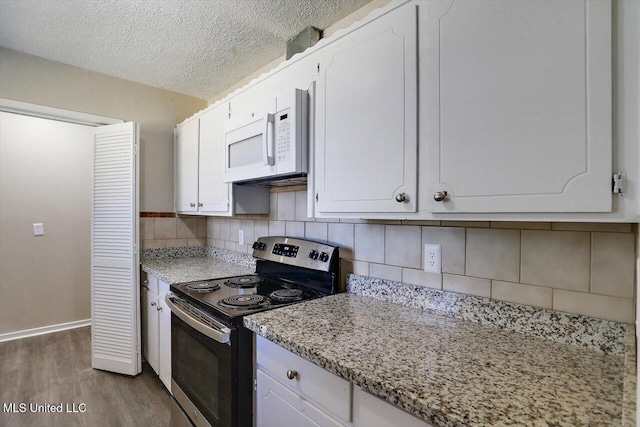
{"points": [[440, 196], [193, 205], [291, 374], [214, 330], [401, 198]]}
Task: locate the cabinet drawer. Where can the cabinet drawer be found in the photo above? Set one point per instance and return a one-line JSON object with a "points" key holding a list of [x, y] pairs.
{"points": [[313, 383], [277, 406], [149, 281]]}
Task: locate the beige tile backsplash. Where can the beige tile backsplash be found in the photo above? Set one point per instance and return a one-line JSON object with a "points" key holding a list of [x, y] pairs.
{"points": [[559, 259], [158, 233], [583, 268]]}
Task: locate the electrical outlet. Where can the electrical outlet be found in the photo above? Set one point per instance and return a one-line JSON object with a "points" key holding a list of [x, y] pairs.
{"points": [[38, 229], [241, 237], [433, 258]]}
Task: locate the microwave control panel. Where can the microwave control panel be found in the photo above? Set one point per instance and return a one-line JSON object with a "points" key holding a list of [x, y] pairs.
{"points": [[283, 136]]}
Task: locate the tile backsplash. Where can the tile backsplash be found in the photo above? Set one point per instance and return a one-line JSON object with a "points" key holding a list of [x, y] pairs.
{"points": [[158, 233], [583, 268]]}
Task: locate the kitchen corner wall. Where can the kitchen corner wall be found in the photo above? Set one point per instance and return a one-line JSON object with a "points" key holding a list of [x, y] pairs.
{"points": [[156, 233], [583, 268]]}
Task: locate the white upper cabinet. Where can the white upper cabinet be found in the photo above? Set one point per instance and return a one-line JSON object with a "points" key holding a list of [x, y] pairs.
{"points": [[366, 118], [215, 194], [186, 166], [199, 171], [518, 108]]}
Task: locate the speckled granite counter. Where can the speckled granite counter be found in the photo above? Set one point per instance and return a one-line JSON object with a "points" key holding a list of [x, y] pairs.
{"points": [[447, 371], [218, 263]]}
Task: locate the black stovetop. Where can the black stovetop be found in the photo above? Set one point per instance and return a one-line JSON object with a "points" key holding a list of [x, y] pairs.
{"points": [[213, 301]]}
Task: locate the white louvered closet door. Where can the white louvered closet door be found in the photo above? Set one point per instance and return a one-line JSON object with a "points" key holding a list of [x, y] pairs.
{"points": [[115, 338]]}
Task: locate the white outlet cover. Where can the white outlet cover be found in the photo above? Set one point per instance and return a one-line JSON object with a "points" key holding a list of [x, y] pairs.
{"points": [[241, 237], [38, 229], [433, 258]]}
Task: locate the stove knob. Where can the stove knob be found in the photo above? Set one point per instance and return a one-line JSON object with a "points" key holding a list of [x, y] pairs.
{"points": [[324, 257], [262, 246], [313, 254], [255, 245]]}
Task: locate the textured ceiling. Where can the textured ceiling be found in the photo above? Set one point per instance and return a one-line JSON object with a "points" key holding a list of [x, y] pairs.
{"points": [[193, 47]]}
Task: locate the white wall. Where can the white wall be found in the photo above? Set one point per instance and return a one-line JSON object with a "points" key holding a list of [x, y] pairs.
{"points": [[39, 81], [45, 176]]}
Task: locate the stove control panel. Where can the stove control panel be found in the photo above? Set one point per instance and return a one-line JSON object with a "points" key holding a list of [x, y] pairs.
{"points": [[281, 249], [314, 255], [259, 246]]}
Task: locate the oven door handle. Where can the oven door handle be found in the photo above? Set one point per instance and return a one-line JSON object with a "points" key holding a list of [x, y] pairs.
{"points": [[218, 332]]}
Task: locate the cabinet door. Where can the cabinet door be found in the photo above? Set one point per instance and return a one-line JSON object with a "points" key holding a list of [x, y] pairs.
{"points": [[366, 128], [518, 109], [215, 194], [277, 406], [150, 343], [186, 166], [164, 343], [369, 410]]}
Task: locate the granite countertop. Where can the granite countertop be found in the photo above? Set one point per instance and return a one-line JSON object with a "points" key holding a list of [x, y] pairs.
{"points": [[180, 270], [447, 371]]}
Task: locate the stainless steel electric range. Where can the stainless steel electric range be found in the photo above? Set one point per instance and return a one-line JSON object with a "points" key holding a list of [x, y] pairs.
{"points": [[211, 352]]}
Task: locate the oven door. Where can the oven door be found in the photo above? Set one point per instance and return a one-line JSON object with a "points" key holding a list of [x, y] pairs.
{"points": [[202, 367]]}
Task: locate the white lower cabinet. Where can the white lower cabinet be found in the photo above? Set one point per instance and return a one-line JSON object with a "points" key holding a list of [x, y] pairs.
{"points": [[150, 334], [164, 343], [278, 406], [156, 327], [292, 392], [369, 410]]}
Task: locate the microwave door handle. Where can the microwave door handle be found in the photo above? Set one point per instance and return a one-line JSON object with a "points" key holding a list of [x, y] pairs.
{"points": [[268, 160], [218, 332]]}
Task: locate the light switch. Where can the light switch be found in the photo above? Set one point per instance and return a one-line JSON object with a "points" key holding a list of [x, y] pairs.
{"points": [[38, 229]]}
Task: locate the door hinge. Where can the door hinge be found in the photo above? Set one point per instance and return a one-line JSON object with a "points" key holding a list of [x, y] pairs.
{"points": [[135, 248], [255, 384], [318, 68], [618, 183], [229, 104], [316, 197], [135, 149]]}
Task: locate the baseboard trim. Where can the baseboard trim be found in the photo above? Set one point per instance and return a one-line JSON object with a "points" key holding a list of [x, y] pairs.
{"points": [[10, 336]]}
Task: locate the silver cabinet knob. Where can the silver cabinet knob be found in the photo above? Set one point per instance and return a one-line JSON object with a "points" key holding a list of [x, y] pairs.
{"points": [[440, 196], [145, 284], [200, 204], [292, 374], [153, 304], [159, 308], [401, 197], [193, 205]]}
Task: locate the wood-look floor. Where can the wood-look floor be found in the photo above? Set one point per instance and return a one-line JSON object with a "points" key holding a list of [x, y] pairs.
{"points": [[56, 368]]}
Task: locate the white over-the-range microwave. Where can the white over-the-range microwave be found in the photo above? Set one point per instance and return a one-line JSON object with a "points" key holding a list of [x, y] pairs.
{"points": [[268, 141]]}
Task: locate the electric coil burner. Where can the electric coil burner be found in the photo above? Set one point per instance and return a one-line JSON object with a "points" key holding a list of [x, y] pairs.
{"points": [[207, 326], [202, 287], [243, 282], [286, 295], [244, 301]]}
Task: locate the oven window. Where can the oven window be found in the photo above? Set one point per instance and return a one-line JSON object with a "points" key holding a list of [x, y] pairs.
{"points": [[202, 368], [246, 152]]}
